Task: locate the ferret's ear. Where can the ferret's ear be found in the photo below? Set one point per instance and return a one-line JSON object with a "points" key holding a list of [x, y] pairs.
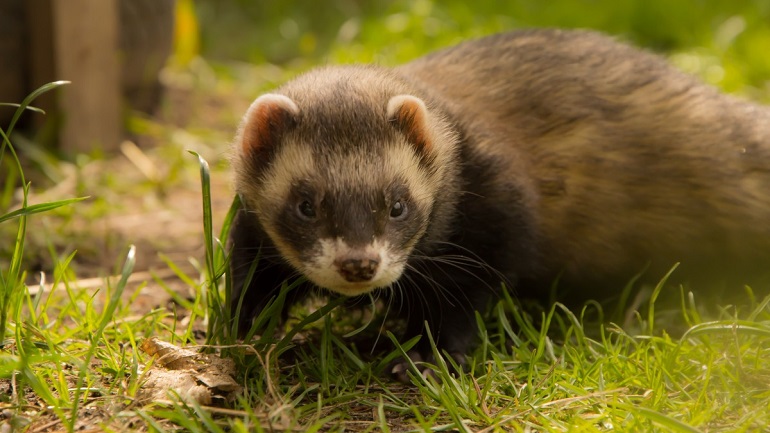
{"points": [[410, 116], [265, 122]]}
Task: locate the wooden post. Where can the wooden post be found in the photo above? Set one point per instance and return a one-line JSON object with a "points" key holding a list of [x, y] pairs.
{"points": [[84, 40], [40, 61]]}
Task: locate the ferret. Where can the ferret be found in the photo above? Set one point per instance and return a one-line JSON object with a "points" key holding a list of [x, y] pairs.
{"points": [[524, 159]]}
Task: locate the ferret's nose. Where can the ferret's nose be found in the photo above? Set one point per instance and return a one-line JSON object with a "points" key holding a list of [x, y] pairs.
{"points": [[357, 269]]}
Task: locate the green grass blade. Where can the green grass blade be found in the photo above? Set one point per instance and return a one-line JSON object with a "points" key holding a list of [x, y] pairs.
{"points": [[39, 208], [654, 297], [28, 100], [222, 314], [730, 327], [29, 108], [214, 307], [671, 424], [228, 223], [12, 281], [106, 316], [312, 317], [208, 231]]}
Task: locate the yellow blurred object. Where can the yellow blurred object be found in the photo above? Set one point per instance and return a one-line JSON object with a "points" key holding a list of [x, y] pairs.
{"points": [[186, 34], [308, 43]]}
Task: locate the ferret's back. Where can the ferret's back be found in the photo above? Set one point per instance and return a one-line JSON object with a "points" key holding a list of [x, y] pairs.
{"points": [[630, 159]]}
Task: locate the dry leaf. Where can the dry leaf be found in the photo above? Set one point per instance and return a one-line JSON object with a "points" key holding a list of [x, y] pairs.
{"points": [[193, 376]]}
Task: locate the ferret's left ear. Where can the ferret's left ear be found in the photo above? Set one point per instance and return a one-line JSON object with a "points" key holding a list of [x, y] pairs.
{"points": [[410, 116]]}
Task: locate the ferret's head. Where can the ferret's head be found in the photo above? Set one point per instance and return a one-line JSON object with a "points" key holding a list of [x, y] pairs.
{"points": [[346, 171]]}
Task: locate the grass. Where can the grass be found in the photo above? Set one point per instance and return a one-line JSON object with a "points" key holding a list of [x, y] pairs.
{"points": [[72, 357], [72, 362]]}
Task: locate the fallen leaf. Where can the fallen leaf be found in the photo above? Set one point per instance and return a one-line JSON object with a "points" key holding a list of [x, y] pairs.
{"points": [[187, 374]]}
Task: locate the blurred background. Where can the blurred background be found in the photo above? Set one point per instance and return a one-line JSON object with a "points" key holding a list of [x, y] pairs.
{"points": [[119, 48], [726, 40], [154, 78]]}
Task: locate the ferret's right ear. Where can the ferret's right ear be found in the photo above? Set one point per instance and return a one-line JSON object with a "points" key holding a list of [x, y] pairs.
{"points": [[410, 115], [265, 122]]}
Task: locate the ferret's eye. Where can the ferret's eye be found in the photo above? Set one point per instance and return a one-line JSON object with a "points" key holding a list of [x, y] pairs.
{"points": [[398, 210], [306, 210]]}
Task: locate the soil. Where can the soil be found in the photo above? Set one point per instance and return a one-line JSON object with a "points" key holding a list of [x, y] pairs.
{"points": [[149, 195]]}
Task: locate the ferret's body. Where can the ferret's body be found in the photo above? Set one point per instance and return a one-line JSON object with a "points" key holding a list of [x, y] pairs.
{"points": [[522, 157], [624, 160]]}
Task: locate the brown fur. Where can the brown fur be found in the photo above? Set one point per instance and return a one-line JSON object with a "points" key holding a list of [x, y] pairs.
{"points": [[625, 160], [524, 157]]}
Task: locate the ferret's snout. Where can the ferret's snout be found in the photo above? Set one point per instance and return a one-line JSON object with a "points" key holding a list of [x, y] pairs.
{"points": [[357, 268]]}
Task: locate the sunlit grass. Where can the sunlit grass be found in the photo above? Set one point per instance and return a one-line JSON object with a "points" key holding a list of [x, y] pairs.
{"points": [[70, 357], [76, 354]]}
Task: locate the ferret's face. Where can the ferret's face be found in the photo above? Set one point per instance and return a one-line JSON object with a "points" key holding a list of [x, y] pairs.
{"points": [[348, 223], [344, 205]]}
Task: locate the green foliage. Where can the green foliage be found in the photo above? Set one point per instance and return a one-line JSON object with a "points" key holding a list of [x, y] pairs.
{"points": [[12, 280], [35, 348], [724, 40]]}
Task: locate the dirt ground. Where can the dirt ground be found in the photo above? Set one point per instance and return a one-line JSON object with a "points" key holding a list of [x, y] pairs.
{"points": [[147, 195]]}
